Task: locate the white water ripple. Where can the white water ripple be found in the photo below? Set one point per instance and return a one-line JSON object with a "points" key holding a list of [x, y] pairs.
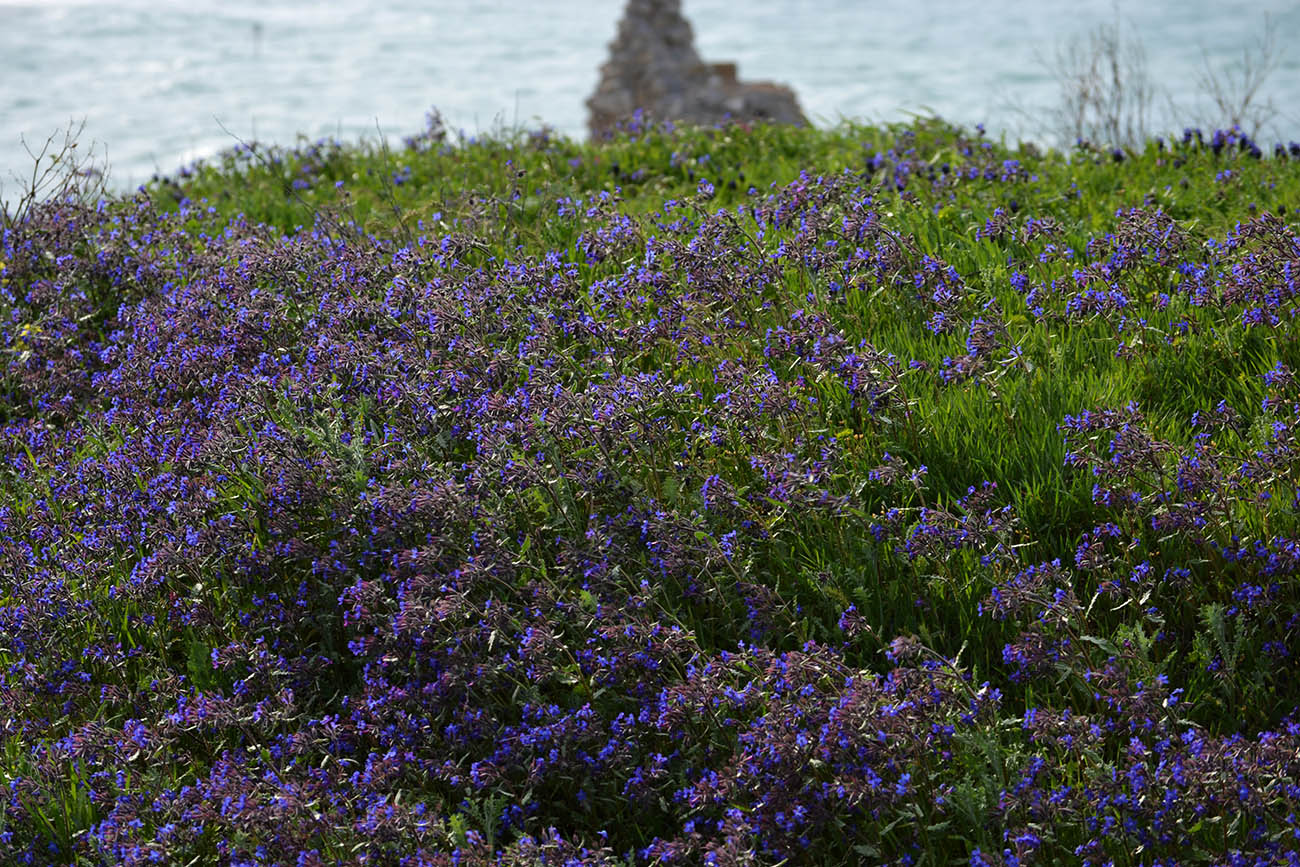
{"points": [[156, 81]]}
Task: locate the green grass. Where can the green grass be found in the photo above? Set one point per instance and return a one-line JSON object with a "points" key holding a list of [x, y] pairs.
{"points": [[594, 209], [503, 190]]}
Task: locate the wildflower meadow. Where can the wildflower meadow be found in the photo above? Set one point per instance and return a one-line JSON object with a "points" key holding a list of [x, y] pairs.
{"points": [[740, 495]]}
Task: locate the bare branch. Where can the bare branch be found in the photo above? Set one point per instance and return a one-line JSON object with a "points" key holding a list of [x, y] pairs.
{"points": [[1106, 91], [1235, 92], [59, 171]]}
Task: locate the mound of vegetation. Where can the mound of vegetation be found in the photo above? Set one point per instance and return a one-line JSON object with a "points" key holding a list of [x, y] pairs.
{"points": [[735, 496]]}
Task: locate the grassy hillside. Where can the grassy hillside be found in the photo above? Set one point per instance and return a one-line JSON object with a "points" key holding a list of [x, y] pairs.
{"points": [[737, 496]]}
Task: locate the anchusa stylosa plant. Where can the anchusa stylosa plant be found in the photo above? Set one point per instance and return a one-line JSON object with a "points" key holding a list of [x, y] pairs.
{"points": [[917, 508]]}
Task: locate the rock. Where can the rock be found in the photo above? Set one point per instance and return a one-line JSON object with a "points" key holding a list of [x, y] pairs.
{"points": [[653, 67]]}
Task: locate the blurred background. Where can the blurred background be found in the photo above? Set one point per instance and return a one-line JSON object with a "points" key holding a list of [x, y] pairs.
{"points": [[155, 82]]}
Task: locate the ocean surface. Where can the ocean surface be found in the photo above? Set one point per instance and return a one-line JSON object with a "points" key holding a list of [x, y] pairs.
{"points": [[161, 84]]}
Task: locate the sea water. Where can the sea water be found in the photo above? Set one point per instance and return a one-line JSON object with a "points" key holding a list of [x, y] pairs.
{"points": [[161, 84]]}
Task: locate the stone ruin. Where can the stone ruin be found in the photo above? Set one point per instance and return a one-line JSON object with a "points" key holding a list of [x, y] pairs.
{"points": [[653, 67]]}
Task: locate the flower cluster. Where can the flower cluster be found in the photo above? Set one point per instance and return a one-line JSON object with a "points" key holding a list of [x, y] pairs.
{"points": [[739, 528]]}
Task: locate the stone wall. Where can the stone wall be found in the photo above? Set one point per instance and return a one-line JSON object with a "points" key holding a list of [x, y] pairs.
{"points": [[653, 66]]}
